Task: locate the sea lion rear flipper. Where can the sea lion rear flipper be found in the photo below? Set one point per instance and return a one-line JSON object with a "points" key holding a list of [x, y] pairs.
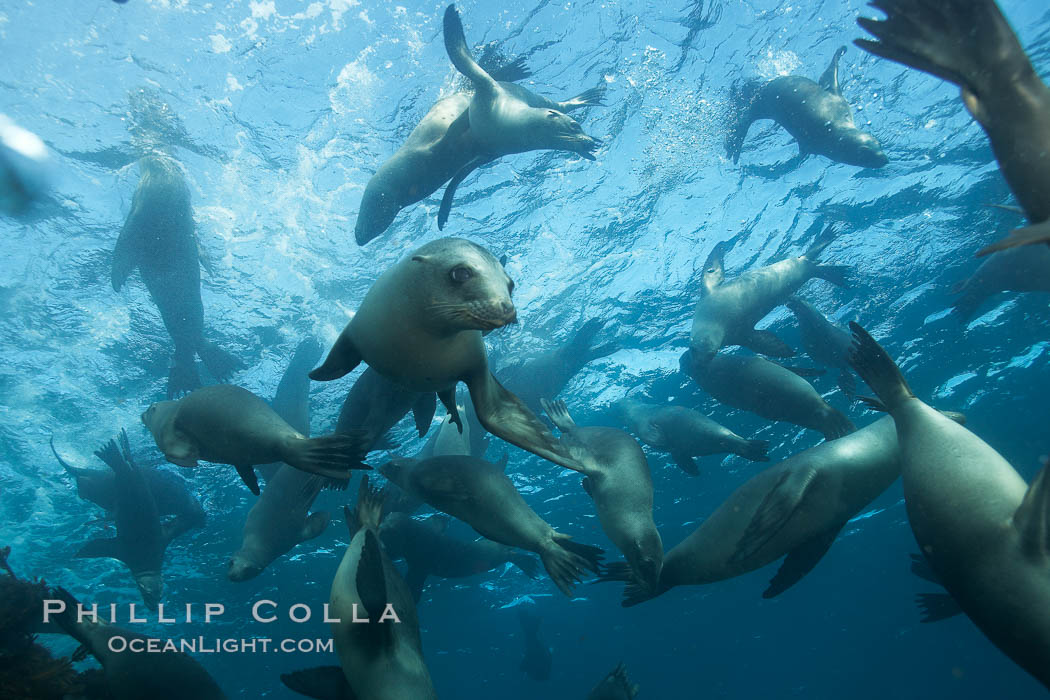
{"points": [[686, 463], [766, 343], [314, 525], [848, 383], [838, 275], [322, 683], [588, 98], [1032, 518], [934, 607], [450, 189], [877, 369], [341, 360], [415, 579], [1029, 235], [774, 512], [109, 548], [423, 410], [183, 376], [566, 561], [459, 53], [512, 72], [504, 415], [920, 567], [371, 582], [799, 562], [220, 363], [830, 79]]}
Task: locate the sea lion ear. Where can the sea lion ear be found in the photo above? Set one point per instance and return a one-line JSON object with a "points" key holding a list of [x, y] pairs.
{"points": [[551, 114]]}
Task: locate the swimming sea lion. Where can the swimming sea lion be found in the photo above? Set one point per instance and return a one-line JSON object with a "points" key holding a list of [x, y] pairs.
{"points": [[615, 686], [795, 508], [504, 118], [727, 311], [159, 238], [685, 434], [970, 43], [421, 326], [774, 392], [141, 537], [480, 494], [163, 675], [291, 401], [1025, 270], [231, 425], [376, 404], [537, 659], [816, 114], [380, 659], [617, 479], [824, 342], [428, 550], [985, 532]]}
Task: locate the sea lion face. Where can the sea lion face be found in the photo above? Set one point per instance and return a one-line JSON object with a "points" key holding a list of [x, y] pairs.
{"points": [[396, 470], [151, 586], [464, 286], [856, 147], [561, 132], [158, 417], [241, 568]]}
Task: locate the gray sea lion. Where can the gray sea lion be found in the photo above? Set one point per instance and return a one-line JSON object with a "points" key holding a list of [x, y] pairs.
{"points": [[728, 310], [824, 342], [382, 659], [794, 508], [970, 43], [159, 238], [163, 675], [1026, 270], [616, 477], [480, 494], [291, 401], [685, 434], [774, 392], [141, 537], [230, 425], [376, 404], [985, 532], [816, 114], [615, 686], [504, 118], [428, 550], [537, 659], [421, 326]]}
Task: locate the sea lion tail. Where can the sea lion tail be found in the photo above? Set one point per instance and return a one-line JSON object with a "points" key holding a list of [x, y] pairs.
{"points": [[567, 561], [459, 52], [220, 363], [755, 450], [329, 455], [877, 368], [742, 97]]}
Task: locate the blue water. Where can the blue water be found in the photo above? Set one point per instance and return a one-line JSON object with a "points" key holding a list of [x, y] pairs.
{"points": [[287, 108]]}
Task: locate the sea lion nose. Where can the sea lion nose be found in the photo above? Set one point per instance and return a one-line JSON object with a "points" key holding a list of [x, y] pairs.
{"points": [[508, 311]]}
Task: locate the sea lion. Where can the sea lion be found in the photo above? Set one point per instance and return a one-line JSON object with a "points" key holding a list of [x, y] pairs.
{"points": [[376, 404], [794, 508], [816, 114], [291, 401], [164, 675], [141, 537], [1025, 270], [159, 238], [504, 118], [421, 326], [727, 311], [25, 168], [428, 550], [985, 532], [231, 425], [685, 434], [615, 686], [824, 342], [970, 43], [754, 384], [382, 659], [480, 494], [537, 659], [617, 479]]}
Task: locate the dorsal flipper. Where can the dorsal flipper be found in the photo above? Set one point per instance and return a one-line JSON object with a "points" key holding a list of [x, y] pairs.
{"points": [[450, 189], [1032, 518], [800, 561], [776, 509], [341, 360], [322, 683], [830, 79], [459, 53]]}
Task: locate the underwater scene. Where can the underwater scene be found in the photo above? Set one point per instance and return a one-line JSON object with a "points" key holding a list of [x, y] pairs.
{"points": [[357, 349]]}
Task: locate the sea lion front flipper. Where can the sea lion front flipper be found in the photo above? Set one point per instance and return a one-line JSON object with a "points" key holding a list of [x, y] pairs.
{"points": [[1029, 235], [371, 581], [322, 683], [342, 359], [934, 607], [504, 415], [107, 548], [423, 410], [416, 579], [448, 400], [248, 476], [1032, 518], [332, 456], [314, 525], [714, 268], [124, 258], [765, 343], [686, 463], [799, 562], [459, 53], [450, 189], [830, 79], [775, 510]]}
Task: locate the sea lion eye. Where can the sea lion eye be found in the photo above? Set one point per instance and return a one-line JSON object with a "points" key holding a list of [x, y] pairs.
{"points": [[459, 275]]}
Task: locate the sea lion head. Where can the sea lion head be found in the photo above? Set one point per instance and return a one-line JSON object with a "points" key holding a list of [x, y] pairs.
{"points": [[648, 558], [462, 286], [378, 208], [856, 147], [158, 418], [241, 568], [397, 469], [560, 132], [151, 586]]}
